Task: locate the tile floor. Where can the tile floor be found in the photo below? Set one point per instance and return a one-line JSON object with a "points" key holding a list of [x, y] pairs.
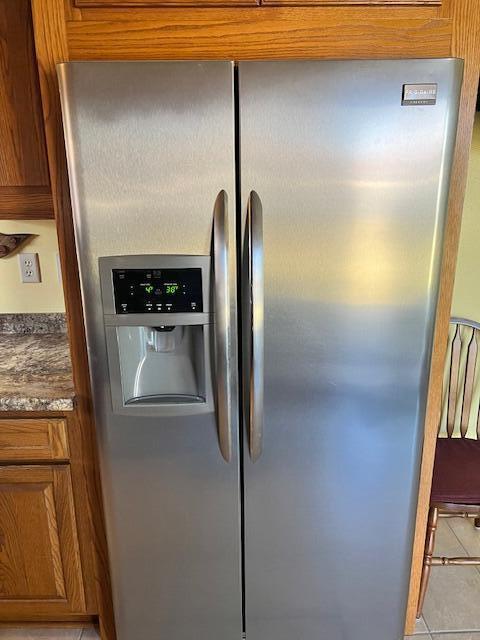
{"points": [[452, 605]]}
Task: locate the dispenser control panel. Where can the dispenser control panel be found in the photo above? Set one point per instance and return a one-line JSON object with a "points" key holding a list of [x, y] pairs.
{"points": [[157, 290]]}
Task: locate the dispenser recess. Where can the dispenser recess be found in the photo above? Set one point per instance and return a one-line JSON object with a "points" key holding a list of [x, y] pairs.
{"points": [[157, 325]]}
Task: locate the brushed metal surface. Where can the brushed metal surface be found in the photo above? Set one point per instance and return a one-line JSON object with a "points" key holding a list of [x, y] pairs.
{"points": [[150, 145], [353, 188], [254, 326], [223, 341]]}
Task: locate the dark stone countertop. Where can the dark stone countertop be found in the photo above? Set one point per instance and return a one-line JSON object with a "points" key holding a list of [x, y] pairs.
{"points": [[35, 368]]}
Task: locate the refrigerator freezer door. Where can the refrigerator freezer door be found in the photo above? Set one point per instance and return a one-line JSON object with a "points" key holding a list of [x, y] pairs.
{"points": [[353, 187], [150, 146]]}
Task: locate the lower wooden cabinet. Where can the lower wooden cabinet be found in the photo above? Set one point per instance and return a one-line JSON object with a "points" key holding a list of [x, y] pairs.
{"points": [[40, 569]]}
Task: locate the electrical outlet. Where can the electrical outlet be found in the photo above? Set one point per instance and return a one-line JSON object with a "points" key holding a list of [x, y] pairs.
{"points": [[29, 267]]}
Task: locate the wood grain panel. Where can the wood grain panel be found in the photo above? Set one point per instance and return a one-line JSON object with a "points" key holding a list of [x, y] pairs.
{"points": [[39, 560], [33, 440], [165, 3], [22, 151], [277, 32], [235, 17], [225, 3], [337, 3], [465, 44], [51, 45], [26, 202]]}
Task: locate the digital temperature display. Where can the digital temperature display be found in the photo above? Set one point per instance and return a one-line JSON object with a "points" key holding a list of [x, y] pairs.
{"points": [[157, 290], [171, 289]]}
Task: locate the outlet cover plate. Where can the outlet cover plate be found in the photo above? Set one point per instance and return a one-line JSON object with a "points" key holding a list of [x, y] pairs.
{"points": [[29, 267]]}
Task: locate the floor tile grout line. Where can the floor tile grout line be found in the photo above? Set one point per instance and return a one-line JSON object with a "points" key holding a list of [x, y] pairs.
{"points": [[426, 624], [425, 620], [455, 631], [422, 617], [459, 541], [446, 522], [448, 634]]}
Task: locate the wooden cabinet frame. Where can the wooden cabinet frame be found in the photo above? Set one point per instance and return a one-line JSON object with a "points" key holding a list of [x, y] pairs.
{"points": [[66, 31]]}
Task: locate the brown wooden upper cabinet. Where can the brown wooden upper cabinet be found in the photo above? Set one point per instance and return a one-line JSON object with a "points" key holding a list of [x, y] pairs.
{"points": [[24, 177], [246, 3], [165, 3], [339, 3]]}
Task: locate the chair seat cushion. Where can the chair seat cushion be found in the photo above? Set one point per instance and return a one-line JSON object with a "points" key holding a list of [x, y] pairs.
{"points": [[456, 474]]}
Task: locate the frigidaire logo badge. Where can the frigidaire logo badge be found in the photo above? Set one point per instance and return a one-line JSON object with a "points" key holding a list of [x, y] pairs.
{"points": [[419, 94]]}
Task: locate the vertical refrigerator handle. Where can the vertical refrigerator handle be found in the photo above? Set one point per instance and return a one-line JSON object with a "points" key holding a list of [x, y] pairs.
{"points": [[222, 332], [255, 297]]}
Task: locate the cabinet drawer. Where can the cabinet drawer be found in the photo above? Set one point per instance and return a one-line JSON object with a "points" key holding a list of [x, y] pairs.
{"points": [[33, 440]]}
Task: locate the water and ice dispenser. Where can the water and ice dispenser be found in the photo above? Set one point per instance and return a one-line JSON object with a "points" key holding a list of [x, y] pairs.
{"points": [[157, 323]]}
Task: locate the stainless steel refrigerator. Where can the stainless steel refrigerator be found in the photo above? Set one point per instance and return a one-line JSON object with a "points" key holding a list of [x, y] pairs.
{"points": [[259, 247]]}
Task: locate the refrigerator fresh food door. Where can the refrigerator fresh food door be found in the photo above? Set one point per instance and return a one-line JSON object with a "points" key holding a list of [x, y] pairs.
{"points": [[345, 173], [150, 150]]}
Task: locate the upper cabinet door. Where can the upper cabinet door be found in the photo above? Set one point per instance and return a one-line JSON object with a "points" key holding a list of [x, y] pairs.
{"points": [[228, 3], [164, 3], [340, 3], [24, 177]]}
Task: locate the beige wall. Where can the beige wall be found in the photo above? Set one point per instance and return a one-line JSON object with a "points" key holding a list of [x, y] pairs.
{"points": [[466, 295], [44, 297]]}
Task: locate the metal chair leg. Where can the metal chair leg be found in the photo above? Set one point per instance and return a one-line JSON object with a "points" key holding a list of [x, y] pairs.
{"points": [[427, 559]]}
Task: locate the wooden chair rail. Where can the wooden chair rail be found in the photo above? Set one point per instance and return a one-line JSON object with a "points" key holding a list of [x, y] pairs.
{"points": [[453, 510], [445, 562], [449, 510], [461, 514]]}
